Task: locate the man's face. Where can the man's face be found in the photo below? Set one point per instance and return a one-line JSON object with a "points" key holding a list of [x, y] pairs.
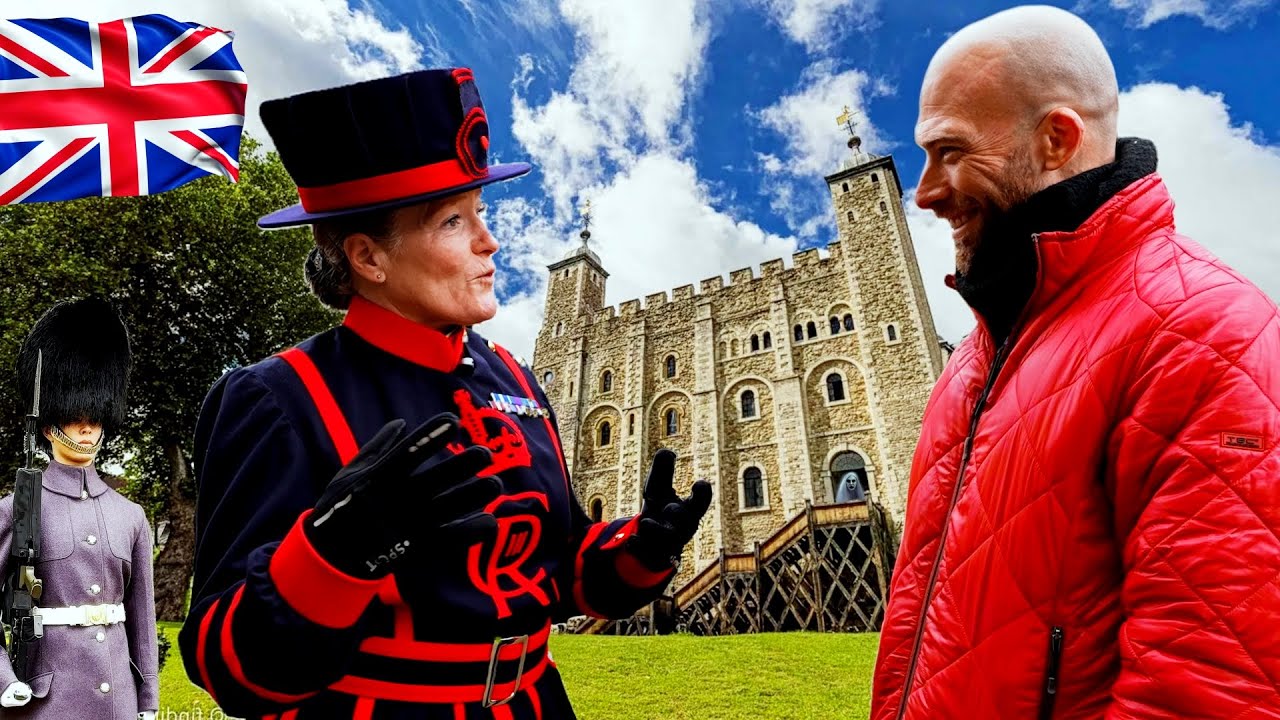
{"points": [[978, 147]]}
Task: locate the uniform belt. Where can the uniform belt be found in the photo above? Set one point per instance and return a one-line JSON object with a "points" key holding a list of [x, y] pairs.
{"points": [[491, 673], [81, 615]]}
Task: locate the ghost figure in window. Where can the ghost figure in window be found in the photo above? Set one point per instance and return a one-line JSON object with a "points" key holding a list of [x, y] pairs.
{"points": [[850, 489]]}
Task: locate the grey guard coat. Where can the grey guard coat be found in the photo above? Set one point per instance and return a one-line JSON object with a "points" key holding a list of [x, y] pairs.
{"points": [[103, 541]]}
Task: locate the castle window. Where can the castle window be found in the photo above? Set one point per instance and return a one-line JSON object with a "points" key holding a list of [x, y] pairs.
{"points": [[848, 322], [883, 208], [755, 343], [835, 325], [559, 329], [752, 488], [673, 425], [734, 345], [849, 215], [875, 178], [748, 404], [891, 333], [606, 381], [570, 388], [597, 510], [547, 377], [768, 341], [799, 333], [849, 481], [671, 366], [606, 433], [844, 187], [723, 348], [811, 330], [631, 424], [835, 387]]}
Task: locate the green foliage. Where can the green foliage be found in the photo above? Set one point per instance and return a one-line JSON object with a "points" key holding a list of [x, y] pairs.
{"points": [[775, 676], [201, 289], [163, 645]]}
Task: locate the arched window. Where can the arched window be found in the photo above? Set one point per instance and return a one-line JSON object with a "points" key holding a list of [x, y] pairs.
{"points": [[875, 178], [748, 404], [724, 347], [848, 322], [849, 215], [844, 187], [883, 208], [631, 424], [734, 346], [835, 387], [606, 434], [673, 425], [559, 329], [597, 510], [547, 377], [606, 381], [671, 366], [891, 332], [835, 325], [811, 330], [752, 488], [799, 333], [849, 478], [755, 343], [768, 341]]}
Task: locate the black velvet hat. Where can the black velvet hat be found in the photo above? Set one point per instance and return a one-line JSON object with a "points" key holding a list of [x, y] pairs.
{"points": [[383, 143], [84, 365]]}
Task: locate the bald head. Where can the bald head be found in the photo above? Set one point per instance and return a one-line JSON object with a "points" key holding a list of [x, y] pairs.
{"points": [[1035, 58]]}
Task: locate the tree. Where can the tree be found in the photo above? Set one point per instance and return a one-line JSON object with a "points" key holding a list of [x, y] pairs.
{"points": [[202, 290]]}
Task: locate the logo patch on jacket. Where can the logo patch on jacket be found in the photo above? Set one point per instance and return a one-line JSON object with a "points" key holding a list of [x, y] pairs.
{"points": [[507, 445], [1241, 442]]}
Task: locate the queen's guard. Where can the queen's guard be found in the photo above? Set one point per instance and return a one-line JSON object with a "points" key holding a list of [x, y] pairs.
{"points": [[385, 525]]}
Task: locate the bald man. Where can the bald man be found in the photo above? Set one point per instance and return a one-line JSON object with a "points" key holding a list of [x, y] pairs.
{"points": [[1093, 525]]}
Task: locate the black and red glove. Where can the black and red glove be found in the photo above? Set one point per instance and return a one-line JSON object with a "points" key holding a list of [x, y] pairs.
{"points": [[667, 522], [400, 495]]}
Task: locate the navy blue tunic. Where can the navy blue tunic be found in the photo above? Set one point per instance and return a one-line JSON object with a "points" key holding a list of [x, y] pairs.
{"points": [[275, 631]]}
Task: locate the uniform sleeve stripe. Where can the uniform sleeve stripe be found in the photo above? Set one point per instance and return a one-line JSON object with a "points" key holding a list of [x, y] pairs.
{"points": [[202, 645], [623, 533], [233, 662], [578, 595], [330, 413], [315, 589], [637, 575]]}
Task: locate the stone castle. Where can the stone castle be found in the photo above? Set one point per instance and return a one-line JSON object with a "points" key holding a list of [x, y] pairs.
{"points": [[800, 384]]}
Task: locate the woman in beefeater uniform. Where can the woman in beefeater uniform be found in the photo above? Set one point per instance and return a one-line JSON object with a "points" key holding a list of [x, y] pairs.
{"points": [[98, 657], [381, 502]]}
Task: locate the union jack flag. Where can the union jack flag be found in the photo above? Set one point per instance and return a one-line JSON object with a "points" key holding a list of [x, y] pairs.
{"points": [[128, 107]]}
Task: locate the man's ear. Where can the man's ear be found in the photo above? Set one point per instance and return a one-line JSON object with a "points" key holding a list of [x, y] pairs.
{"points": [[1059, 136]]}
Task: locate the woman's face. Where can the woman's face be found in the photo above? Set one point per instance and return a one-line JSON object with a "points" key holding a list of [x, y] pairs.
{"points": [[82, 432], [440, 271]]}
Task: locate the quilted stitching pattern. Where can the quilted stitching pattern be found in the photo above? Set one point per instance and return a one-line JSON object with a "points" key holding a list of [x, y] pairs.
{"points": [[1099, 496]]}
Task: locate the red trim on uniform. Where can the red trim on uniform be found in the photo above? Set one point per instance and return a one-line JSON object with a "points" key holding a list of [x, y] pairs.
{"points": [[315, 589], [401, 692], [403, 337], [330, 413], [202, 645], [578, 595], [233, 662], [389, 594], [524, 385], [637, 575], [289, 715], [429, 178], [502, 712], [461, 75], [448, 652], [536, 702], [623, 533], [459, 712], [364, 709]]}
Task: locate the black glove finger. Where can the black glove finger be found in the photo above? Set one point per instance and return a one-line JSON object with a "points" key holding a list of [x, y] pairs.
{"points": [[472, 496], [659, 535], [699, 500], [468, 530], [421, 443], [658, 488], [452, 470]]}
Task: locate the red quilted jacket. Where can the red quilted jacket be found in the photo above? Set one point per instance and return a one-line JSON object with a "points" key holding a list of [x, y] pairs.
{"points": [[1093, 526]]}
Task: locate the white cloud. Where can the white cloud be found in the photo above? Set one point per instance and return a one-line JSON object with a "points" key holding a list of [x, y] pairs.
{"points": [[818, 24], [285, 46], [1219, 14]]}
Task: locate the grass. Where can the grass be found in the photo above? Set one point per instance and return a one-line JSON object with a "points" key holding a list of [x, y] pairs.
{"points": [[783, 676]]}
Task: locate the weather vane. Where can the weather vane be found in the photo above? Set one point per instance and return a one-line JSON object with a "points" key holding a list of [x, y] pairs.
{"points": [[846, 121], [586, 222]]}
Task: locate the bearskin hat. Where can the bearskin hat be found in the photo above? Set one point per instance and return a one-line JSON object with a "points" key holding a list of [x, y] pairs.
{"points": [[85, 365]]}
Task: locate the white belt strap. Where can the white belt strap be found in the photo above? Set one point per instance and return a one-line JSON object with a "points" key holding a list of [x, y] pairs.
{"points": [[81, 615]]}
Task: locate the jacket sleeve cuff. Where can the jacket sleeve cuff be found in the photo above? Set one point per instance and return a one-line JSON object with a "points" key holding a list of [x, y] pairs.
{"points": [[149, 693], [635, 574], [315, 589]]}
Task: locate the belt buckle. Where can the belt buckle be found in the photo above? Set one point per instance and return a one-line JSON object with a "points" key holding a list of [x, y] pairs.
{"points": [[96, 615], [494, 653]]}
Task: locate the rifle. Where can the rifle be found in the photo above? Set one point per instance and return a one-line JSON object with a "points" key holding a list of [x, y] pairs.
{"points": [[21, 586]]}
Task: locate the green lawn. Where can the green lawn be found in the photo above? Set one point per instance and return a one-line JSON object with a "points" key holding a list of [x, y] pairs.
{"points": [[805, 676]]}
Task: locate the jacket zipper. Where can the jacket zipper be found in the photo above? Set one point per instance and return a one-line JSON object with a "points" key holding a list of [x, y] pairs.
{"points": [[1001, 354], [1051, 673]]}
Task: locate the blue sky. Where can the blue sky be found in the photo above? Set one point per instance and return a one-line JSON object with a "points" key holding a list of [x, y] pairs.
{"points": [[701, 129]]}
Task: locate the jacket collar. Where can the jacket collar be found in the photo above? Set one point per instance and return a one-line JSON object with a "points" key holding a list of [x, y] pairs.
{"points": [[68, 480], [404, 338]]}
